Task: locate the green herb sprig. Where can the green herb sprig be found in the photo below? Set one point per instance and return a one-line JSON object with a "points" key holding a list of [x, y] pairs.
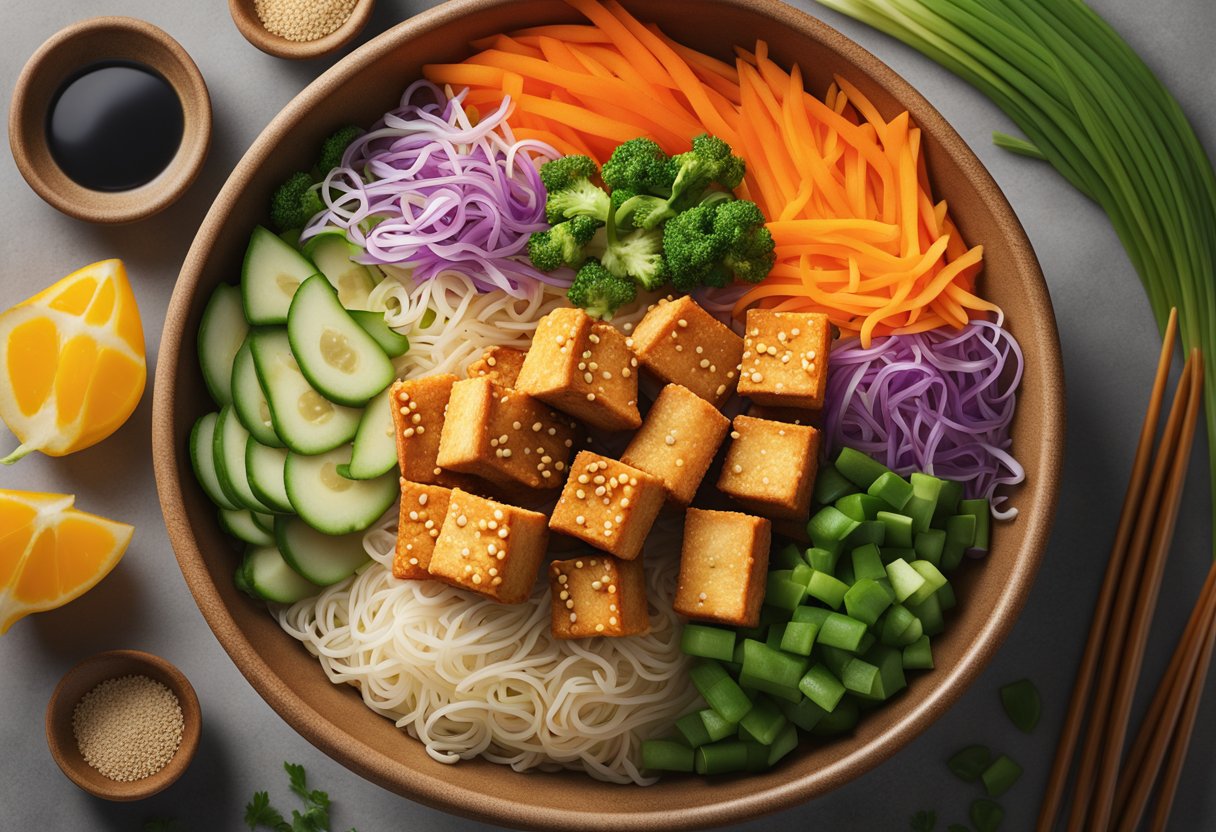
{"points": [[314, 818]]}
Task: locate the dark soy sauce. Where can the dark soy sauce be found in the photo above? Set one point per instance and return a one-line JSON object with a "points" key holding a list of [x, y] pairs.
{"points": [[114, 126]]}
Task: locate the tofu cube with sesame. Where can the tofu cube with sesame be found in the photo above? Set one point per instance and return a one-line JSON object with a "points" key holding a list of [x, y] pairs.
{"points": [[678, 441], [583, 367], [608, 504], [423, 509], [598, 595], [723, 567], [770, 467], [681, 343], [490, 548], [504, 436], [419, 405], [499, 364], [785, 358]]}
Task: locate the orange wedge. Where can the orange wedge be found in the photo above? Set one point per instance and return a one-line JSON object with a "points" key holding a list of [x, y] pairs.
{"points": [[50, 553], [72, 366]]}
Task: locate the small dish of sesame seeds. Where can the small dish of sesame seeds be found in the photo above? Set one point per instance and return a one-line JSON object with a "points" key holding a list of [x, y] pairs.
{"points": [[300, 29], [123, 725]]}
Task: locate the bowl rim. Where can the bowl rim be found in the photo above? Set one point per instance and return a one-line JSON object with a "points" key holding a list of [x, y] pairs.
{"points": [[386, 772], [250, 26], [116, 207], [58, 708]]}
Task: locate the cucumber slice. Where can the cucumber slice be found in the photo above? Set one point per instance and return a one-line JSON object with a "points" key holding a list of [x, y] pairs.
{"points": [[229, 445], [306, 421], [335, 354], [220, 335], [331, 503], [392, 342], [249, 400], [202, 459], [265, 522], [375, 449], [272, 273], [238, 578], [240, 525], [331, 253], [321, 558], [270, 578], [264, 468]]}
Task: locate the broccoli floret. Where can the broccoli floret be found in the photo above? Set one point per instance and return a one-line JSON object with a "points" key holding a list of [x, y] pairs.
{"points": [[295, 203], [600, 292], [562, 245], [637, 254], [709, 243], [641, 166], [333, 148], [571, 191], [709, 163]]}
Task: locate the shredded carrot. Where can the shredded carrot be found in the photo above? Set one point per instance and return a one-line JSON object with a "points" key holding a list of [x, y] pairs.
{"points": [[859, 233]]}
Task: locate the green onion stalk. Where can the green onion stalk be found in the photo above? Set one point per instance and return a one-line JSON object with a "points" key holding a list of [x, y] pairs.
{"points": [[1090, 107]]}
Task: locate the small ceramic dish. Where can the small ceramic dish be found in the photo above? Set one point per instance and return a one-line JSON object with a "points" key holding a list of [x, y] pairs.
{"points": [[69, 50], [89, 674], [245, 16]]}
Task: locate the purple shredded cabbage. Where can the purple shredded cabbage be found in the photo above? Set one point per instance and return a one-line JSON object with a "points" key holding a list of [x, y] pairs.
{"points": [[940, 402], [427, 190]]}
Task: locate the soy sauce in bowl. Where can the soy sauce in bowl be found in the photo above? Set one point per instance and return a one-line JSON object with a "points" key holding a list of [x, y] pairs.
{"points": [[114, 125]]}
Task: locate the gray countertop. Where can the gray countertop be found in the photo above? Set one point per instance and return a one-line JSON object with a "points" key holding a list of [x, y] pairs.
{"points": [[1110, 347]]}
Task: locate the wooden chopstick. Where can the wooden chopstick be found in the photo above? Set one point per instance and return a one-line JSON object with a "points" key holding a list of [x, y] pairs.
{"points": [[1154, 535], [1096, 641], [1143, 762]]}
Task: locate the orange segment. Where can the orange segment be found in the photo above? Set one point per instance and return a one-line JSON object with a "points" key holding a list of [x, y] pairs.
{"points": [[73, 362], [51, 553]]}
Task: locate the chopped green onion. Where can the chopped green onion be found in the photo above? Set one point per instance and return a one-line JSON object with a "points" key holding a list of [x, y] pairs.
{"points": [[930, 614], [822, 688], [899, 528], [692, 729], [899, 627], [825, 588], [986, 815], [821, 560], [763, 722], [801, 574], [783, 593], [860, 507], [666, 755], [708, 642], [905, 580], [858, 468], [892, 489], [804, 713], [859, 675], [999, 776], [841, 631], [1021, 702], [866, 601], [771, 671], [787, 557], [719, 690], [919, 654], [968, 764], [830, 525], [839, 721], [799, 637], [867, 563], [715, 726], [722, 757], [830, 485], [890, 679], [785, 742], [929, 545], [934, 580], [982, 512], [868, 532], [812, 615]]}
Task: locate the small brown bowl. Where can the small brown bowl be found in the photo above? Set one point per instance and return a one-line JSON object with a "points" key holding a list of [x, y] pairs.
{"points": [[89, 674], [77, 46], [245, 16]]}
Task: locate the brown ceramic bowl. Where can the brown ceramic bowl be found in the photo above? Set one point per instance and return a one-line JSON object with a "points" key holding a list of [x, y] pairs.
{"points": [[245, 16], [77, 46], [89, 674], [358, 90]]}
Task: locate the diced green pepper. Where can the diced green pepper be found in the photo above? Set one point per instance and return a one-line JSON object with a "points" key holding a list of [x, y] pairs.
{"points": [[999, 776], [1021, 702]]}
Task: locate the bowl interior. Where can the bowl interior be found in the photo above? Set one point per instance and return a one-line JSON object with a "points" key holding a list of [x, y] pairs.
{"points": [[359, 90], [245, 16], [65, 53], [83, 678]]}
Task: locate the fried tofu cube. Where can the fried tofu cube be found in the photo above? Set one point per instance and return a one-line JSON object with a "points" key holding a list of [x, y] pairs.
{"points": [[598, 595], [792, 415], [419, 405], [681, 343], [723, 567], [770, 467], [423, 509], [785, 358], [499, 364], [583, 367], [677, 442], [608, 504], [490, 548], [504, 436]]}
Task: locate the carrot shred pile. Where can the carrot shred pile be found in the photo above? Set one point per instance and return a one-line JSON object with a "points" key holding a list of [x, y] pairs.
{"points": [[858, 233]]}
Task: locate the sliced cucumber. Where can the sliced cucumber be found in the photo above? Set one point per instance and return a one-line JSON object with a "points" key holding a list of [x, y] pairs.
{"points": [[264, 468], [321, 558], [269, 577], [339, 359], [306, 421], [375, 449], [390, 340], [230, 441], [249, 400], [202, 458], [220, 335], [240, 525], [331, 253], [238, 578], [331, 503], [272, 273], [265, 522]]}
